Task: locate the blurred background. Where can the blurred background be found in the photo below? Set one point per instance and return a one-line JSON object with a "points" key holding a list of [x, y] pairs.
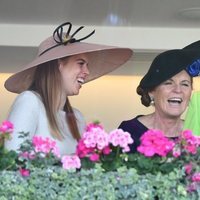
{"points": [[147, 27]]}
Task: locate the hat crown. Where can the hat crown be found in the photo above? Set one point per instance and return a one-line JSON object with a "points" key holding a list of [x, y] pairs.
{"points": [[194, 45], [51, 42], [46, 44], [61, 38]]}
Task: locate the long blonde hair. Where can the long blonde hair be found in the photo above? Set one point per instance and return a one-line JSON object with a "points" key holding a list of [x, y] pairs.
{"points": [[47, 83]]}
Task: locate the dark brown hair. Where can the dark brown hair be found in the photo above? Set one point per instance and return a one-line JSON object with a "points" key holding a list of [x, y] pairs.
{"points": [[47, 83], [145, 98]]}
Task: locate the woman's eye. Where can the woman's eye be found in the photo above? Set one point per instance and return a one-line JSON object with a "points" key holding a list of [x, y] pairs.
{"points": [[185, 84], [167, 83], [81, 63]]}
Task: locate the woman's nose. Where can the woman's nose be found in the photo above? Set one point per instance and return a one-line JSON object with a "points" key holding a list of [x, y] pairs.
{"points": [[86, 70], [177, 88]]}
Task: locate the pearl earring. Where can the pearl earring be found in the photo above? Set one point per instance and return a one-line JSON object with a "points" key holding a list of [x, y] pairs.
{"points": [[152, 101]]}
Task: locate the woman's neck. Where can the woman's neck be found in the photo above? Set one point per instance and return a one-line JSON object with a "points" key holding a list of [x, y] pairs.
{"points": [[170, 126]]}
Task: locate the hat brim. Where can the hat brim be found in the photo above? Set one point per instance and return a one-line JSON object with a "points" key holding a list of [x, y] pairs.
{"points": [[102, 60]]}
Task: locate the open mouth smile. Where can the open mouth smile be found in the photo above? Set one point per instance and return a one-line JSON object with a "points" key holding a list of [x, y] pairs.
{"points": [[175, 100], [81, 81]]}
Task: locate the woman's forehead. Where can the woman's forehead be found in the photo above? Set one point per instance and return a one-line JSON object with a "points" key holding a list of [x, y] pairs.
{"points": [[183, 75], [83, 56]]}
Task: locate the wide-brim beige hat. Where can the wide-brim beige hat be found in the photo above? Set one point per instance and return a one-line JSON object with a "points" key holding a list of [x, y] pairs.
{"points": [[102, 58]]}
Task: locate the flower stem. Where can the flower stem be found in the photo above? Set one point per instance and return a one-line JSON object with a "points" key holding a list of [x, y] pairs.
{"points": [[117, 153]]}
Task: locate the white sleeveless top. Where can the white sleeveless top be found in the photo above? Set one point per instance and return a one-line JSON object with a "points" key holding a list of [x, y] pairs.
{"points": [[28, 115]]}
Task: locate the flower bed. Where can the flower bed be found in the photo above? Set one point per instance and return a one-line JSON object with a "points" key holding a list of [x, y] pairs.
{"points": [[101, 168]]}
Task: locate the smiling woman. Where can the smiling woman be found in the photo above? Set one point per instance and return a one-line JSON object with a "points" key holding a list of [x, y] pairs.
{"points": [[62, 66], [167, 86]]}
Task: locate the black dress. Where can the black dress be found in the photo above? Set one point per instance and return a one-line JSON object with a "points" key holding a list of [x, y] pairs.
{"points": [[136, 129]]}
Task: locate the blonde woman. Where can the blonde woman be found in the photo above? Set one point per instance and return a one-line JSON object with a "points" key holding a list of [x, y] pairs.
{"points": [[62, 66]]}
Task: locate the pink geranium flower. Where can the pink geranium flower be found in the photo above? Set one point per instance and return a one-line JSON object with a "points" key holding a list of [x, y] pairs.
{"points": [[196, 177], [191, 142], [96, 137], [94, 157], [90, 126], [120, 138], [153, 142], [147, 151], [24, 172], [6, 127], [107, 150], [82, 151], [96, 142], [92, 143], [71, 162], [45, 145], [188, 168]]}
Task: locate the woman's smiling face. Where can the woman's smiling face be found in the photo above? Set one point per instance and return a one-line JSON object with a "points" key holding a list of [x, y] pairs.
{"points": [[74, 71], [172, 96]]}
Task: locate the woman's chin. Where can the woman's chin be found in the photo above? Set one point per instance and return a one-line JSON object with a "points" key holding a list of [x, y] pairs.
{"points": [[175, 114], [76, 92], [175, 111], [73, 93]]}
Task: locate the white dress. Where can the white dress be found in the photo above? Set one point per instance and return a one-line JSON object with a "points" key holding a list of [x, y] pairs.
{"points": [[28, 115]]}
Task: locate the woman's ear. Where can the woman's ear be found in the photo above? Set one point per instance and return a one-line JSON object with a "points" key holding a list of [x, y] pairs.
{"points": [[62, 62], [60, 65], [151, 94]]}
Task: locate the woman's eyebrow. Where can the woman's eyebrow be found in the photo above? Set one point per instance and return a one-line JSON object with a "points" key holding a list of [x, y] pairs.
{"points": [[185, 81], [81, 59]]}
